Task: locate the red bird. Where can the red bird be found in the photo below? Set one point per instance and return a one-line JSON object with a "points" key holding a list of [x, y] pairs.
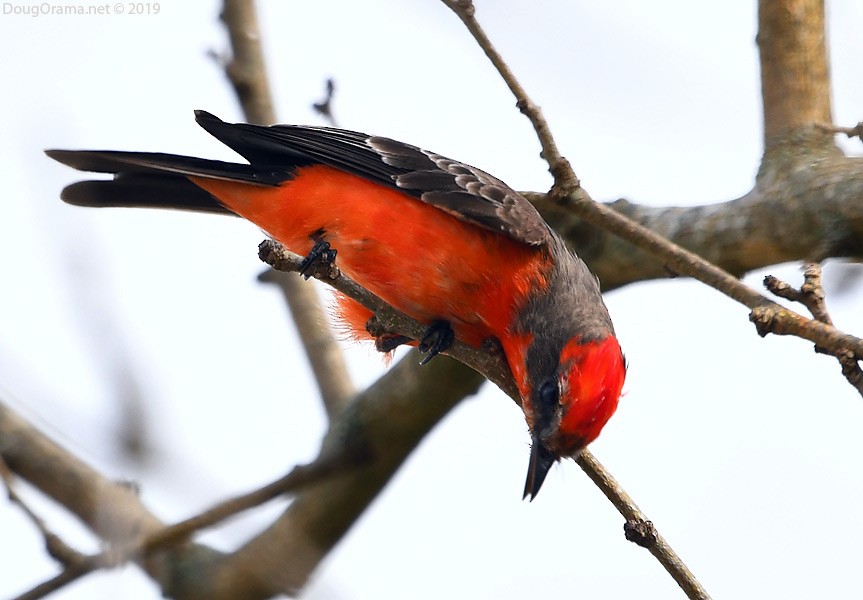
{"points": [[444, 242]]}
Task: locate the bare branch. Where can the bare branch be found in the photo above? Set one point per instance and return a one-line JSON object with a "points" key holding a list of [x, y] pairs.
{"points": [[684, 262], [850, 132], [247, 69], [54, 544], [811, 295], [490, 364], [67, 576], [768, 316], [325, 357], [567, 188], [112, 511], [568, 192], [247, 72], [494, 368], [639, 529], [324, 466], [816, 207], [795, 74], [389, 419], [773, 317], [141, 549], [558, 166], [325, 106]]}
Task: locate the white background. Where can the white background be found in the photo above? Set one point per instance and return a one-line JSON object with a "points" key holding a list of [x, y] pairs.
{"points": [[744, 451]]}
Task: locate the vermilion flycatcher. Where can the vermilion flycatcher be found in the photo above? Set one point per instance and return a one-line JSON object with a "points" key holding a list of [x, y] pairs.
{"points": [[444, 242]]}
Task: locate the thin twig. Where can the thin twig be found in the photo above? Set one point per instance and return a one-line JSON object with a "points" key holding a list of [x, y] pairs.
{"points": [[325, 106], [247, 73], [300, 476], [54, 545], [247, 69], [67, 576], [768, 316], [567, 187], [558, 166], [493, 368], [811, 295], [851, 132], [568, 191], [647, 537], [326, 358], [112, 511], [490, 364]]}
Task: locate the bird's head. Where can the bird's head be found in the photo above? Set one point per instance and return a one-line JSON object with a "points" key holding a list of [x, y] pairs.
{"points": [[568, 408]]}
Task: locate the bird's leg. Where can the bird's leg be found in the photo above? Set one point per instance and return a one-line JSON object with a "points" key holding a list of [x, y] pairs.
{"points": [[384, 340], [493, 346], [437, 337], [389, 342], [320, 259]]}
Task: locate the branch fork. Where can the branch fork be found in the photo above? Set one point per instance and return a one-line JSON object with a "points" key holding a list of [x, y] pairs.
{"points": [[811, 294]]}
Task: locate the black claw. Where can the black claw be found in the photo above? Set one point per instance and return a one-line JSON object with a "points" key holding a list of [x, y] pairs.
{"points": [[437, 337], [320, 258]]}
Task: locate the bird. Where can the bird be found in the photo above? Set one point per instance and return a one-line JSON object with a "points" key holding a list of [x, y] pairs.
{"points": [[444, 242]]}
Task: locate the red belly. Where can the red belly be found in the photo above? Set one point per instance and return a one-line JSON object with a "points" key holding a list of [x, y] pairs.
{"points": [[418, 258]]}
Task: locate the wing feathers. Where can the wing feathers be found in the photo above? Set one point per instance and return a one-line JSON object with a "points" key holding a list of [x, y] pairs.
{"points": [[461, 190], [274, 154]]}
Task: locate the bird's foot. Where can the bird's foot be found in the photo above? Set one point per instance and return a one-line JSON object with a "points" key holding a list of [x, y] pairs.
{"points": [[321, 259], [437, 338]]}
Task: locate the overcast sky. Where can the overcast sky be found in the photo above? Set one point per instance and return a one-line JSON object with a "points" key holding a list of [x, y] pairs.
{"points": [[744, 451]]}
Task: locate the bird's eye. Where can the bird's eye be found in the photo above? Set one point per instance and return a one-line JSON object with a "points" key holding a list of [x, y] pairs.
{"points": [[549, 394]]}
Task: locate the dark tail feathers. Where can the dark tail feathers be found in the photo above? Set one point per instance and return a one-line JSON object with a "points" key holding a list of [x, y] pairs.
{"points": [[157, 180]]}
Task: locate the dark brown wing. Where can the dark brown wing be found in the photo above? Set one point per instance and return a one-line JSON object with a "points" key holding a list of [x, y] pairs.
{"points": [[459, 189]]}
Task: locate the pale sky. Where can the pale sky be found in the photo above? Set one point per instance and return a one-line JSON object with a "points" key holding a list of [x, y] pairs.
{"points": [[744, 451]]}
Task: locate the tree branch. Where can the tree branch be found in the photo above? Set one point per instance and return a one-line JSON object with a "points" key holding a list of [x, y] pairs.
{"points": [[247, 73], [811, 295], [817, 209], [388, 420], [647, 536], [325, 106], [490, 364], [325, 356], [112, 511], [850, 132], [771, 316], [54, 544], [568, 192], [247, 69], [795, 74], [142, 548], [558, 166], [567, 188], [777, 318]]}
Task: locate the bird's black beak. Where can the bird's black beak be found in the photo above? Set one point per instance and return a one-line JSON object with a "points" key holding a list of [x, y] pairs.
{"points": [[540, 462]]}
